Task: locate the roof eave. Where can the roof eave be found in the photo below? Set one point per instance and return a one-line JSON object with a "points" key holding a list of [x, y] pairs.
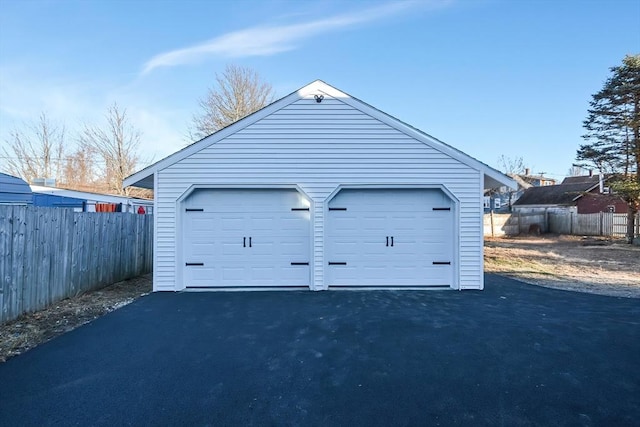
{"points": [[496, 177]]}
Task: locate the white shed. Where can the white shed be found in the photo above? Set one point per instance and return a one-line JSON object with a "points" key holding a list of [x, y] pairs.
{"points": [[318, 190]]}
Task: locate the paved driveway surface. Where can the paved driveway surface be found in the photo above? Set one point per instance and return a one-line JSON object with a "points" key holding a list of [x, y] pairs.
{"points": [[513, 354]]}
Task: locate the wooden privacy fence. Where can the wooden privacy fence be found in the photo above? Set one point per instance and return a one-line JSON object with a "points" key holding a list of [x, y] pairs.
{"points": [[497, 225], [48, 254], [596, 224]]}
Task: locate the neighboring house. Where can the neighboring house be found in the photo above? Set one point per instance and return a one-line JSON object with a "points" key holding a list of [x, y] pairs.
{"points": [[537, 180], [502, 199], [84, 201], [14, 191], [318, 190], [580, 194]]}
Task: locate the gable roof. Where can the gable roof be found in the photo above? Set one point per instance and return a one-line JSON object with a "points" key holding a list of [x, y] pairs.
{"points": [[492, 177], [522, 183], [14, 190], [580, 179], [563, 194]]}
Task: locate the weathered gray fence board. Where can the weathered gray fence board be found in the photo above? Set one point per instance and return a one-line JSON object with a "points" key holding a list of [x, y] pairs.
{"points": [[17, 259], [595, 224], [5, 253], [513, 224], [47, 254]]}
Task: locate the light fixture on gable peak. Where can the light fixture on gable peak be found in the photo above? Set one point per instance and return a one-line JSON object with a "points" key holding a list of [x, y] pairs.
{"points": [[318, 98]]}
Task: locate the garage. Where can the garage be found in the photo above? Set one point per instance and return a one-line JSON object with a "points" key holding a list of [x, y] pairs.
{"points": [[323, 191], [246, 238], [390, 238]]}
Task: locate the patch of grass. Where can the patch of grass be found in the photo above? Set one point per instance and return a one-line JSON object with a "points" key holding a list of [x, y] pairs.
{"points": [[503, 264]]}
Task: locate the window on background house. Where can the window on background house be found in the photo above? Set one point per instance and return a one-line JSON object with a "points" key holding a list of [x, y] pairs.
{"points": [[487, 202], [611, 208]]}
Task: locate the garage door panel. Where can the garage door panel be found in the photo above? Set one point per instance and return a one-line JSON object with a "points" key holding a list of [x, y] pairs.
{"points": [[372, 222], [226, 224], [230, 248], [198, 250], [342, 225], [200, 275], [421, 235], [294, 248], [343, 249], [246, 238]]}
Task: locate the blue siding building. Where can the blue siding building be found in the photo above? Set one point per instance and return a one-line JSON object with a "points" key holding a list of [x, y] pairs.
{"points": [[14, 191]]}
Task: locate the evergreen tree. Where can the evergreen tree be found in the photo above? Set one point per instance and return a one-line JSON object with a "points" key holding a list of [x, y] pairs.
{"points": [[613, 134]]}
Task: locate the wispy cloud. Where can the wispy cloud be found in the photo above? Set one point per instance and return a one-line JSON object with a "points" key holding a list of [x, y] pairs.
{"points": [[270, 40]]}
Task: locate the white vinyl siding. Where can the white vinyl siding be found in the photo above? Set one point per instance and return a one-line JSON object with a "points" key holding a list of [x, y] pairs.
{"points": [[319, 146]]}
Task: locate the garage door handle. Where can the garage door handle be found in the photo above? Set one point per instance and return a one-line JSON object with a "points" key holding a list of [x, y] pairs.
{"points": [[391, 240], [244, 242], [249, 241], [387, 240]]}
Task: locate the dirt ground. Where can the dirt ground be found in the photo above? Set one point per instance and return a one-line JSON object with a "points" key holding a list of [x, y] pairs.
{"points": [[584, 264], [32, 329], [594, 265]]}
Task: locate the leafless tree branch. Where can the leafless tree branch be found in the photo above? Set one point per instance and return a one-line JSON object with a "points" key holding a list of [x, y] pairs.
{"points": [[238, 92], [116, 144], [37, 151]]}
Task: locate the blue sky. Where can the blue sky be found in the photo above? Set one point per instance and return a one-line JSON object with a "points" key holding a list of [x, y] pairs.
{"points": [[488, 77]]}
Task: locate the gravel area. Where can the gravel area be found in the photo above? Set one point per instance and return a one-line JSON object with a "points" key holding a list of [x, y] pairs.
{"points": [[583, 264]]}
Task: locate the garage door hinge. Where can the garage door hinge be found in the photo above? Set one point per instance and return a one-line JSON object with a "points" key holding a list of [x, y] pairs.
{"points": [[194, 210], [188, 264], [441, 262], [299, 263], [337, 263], [441, 209], [337, 209], [299, 209]]}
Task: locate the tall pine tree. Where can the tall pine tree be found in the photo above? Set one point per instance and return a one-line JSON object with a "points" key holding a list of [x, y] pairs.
{"points": [[613, 134]]}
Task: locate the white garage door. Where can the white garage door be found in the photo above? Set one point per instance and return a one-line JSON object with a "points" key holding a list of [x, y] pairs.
{"points": [[245, 238], [390, 238]]}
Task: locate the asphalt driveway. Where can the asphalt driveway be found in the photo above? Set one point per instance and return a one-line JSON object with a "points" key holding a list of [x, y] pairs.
{"points": [[513, 354]]}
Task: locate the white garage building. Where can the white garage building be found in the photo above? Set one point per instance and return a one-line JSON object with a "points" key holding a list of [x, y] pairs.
{"points": [[318, 190]]}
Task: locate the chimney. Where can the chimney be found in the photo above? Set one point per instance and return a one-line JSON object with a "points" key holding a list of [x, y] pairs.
{"points": [[601, 183], [526, 171], [590, 172]]}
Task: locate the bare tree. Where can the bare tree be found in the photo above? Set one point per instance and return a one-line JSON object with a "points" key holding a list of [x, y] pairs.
{"points": [[79, 169], [511, 166], [576, 170], [116, 144], [238, 92], [36, 151]]}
